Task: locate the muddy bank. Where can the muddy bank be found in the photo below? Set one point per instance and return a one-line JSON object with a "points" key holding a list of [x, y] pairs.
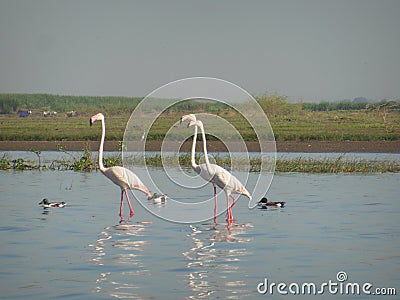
{"points": [[287, 146]]}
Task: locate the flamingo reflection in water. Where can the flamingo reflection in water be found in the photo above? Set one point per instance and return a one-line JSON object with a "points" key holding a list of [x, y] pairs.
{"points": [[214, 261], [119, 250]]}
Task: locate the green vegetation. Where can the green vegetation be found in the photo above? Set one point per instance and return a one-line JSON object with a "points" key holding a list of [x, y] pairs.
{"points": [[308, 165], [339, 121], [38, 128], [37, 103], [86, 162], [290, 122]]}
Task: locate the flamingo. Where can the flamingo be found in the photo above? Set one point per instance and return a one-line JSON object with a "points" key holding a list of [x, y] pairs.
{"points": [[213, 173], [121, 176]]}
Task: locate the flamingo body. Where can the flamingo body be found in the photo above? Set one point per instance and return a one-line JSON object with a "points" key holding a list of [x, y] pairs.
{"points": [[222, 178], [124, 178], [215, 174]]}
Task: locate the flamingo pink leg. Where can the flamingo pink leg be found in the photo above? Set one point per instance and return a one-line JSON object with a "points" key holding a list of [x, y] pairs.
{"points": [[130, 205], [121, 204], [215, 204], [234, 201], [229, 210]]}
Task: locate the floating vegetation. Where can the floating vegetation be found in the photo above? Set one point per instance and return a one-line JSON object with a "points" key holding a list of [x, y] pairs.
{"points": [[83, 163], [300, 164], [87, 162]]}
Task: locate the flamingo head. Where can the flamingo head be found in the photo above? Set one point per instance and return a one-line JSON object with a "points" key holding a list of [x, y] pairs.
{"points": [[95, 118], [190, 117]]}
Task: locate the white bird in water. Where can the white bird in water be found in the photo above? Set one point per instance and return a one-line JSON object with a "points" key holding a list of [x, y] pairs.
{"points": [[121, 176], [215, 174], [158, 198]]}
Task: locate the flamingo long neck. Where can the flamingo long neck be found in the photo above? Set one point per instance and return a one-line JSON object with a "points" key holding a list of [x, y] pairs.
{"points": [[193, 154], [203, 135], [103, 135]]}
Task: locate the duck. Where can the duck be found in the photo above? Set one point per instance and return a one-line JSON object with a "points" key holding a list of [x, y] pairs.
{"points": [[158, 198], [264, 203], [46, 204]]}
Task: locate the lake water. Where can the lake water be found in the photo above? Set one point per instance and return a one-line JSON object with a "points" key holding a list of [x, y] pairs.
{"points": [[331, 223]]}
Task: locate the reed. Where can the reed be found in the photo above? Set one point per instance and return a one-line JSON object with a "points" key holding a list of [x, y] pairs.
{"points": [[309, 165], [86, 162]]}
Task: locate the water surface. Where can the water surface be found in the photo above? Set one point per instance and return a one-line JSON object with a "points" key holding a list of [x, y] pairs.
{"points": [[331, 223]]}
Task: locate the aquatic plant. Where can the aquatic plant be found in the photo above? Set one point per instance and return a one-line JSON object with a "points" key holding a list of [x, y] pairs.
{"points": [[37, 152], [87, 163], [21, 164], [5, 163]]}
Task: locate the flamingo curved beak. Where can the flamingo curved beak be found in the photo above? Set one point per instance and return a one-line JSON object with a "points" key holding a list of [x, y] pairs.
{"points": [[93, 119], [183, 118]]}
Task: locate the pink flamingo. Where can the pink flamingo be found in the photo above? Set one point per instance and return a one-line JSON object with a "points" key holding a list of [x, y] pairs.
{"points": [[215, 174], [121, 176]]}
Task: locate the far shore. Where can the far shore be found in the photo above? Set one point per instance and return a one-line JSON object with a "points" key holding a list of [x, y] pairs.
{"points": [[282, 146]]}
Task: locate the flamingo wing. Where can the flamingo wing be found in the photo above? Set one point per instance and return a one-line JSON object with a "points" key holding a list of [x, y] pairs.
{"points": [[221, 176], [217, 174], [225, 180], [126, 179], [135, 183], [238, 187]]}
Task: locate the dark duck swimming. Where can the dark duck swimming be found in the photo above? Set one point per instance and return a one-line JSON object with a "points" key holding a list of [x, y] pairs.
{"points": [[46, 204], [264, 203]]}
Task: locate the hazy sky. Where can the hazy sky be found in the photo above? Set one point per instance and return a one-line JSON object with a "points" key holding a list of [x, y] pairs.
{"points": [[315, 50]]}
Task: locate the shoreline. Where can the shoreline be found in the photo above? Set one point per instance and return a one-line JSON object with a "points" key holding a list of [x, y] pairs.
{"points": [[281, 146]]}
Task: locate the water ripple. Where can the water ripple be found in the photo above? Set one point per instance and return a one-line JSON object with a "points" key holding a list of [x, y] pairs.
{"points": [[118, 252], [216, 252]]}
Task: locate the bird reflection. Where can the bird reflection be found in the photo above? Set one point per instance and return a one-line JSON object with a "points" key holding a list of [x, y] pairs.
{"points": [[118, 252], [213, 261]]}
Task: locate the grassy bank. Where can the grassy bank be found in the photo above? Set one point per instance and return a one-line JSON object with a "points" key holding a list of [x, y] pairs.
{"points": [[290, 122], [300, 126]]}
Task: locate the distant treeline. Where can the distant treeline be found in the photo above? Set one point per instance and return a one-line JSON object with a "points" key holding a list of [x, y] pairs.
{"points": [[12, 103], [342, 105], [271, 103]]}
